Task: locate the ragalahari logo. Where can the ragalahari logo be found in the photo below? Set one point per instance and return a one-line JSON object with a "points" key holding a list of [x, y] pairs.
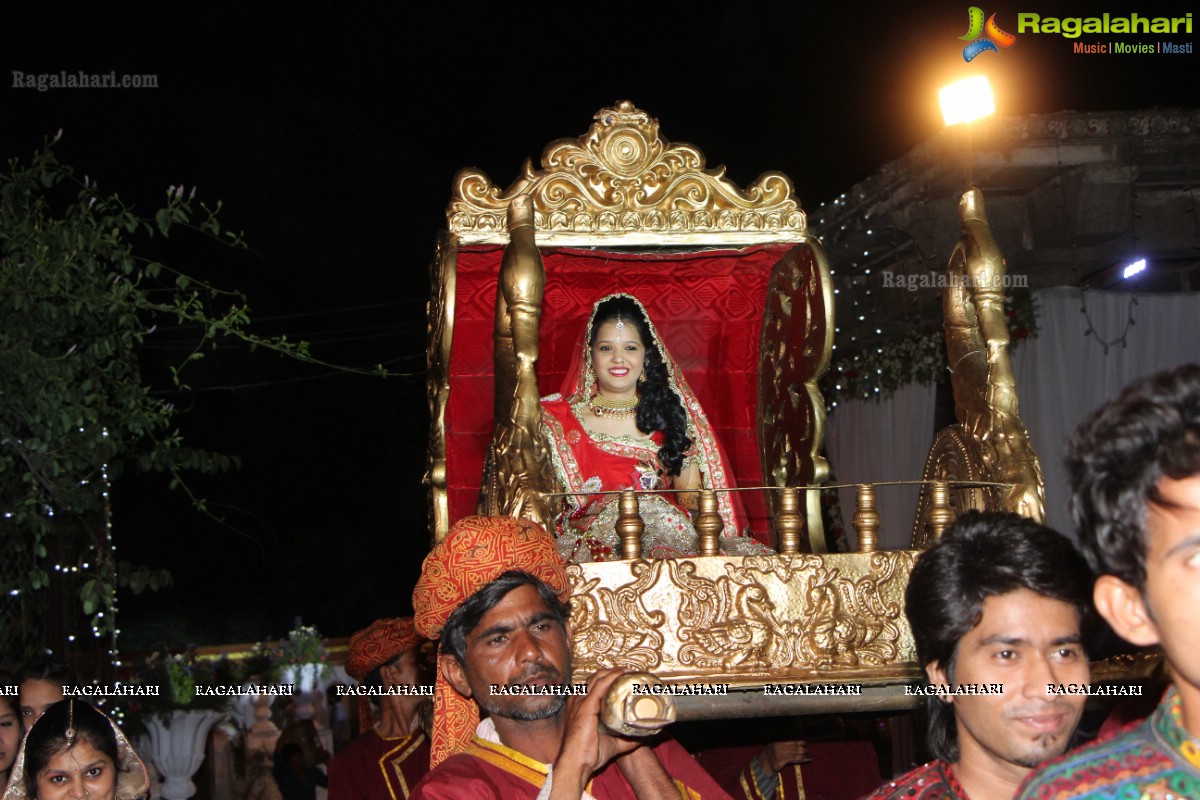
{"points": [[975, 35]]}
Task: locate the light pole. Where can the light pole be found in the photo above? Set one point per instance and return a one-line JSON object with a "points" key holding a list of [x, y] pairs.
{"points": [[964, 102]]}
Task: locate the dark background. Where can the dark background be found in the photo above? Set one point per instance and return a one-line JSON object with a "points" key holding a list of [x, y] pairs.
{"points": [[331, 133]]}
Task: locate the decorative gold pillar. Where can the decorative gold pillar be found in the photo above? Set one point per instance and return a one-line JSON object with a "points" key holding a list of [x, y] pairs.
{"points": [[708, 524], [866, 518], [629, 525], [787, 522], [940, 512]]}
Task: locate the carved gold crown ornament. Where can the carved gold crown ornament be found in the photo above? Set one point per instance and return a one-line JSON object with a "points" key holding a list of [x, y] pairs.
{"points": [[622, 183]]}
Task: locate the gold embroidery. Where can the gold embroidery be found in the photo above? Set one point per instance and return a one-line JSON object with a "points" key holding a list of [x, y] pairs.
{"points": [[394, 758]]}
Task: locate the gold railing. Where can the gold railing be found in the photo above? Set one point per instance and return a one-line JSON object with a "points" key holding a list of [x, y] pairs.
{"points": [[788, 521]]}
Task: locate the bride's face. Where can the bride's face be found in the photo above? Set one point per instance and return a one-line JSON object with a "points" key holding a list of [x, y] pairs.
{"points": [[78, 771], [617, 358]]}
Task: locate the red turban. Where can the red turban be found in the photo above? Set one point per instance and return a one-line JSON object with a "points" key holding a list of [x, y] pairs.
{"points": [[476, 551], [377, 644]]}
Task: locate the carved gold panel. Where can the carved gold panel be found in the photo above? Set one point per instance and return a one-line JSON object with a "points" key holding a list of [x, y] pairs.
{"points": [[623, 183], [746, 621], [794, 352], [440, 331]]}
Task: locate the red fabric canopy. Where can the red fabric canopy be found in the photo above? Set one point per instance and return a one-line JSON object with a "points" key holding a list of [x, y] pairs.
{"points": [[706, 305]]}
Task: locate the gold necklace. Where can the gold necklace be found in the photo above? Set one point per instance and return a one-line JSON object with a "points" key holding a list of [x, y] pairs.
{"points": [[604, 407]]}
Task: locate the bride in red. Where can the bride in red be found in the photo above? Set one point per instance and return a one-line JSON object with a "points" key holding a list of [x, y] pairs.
{"points": [[626, 418]]}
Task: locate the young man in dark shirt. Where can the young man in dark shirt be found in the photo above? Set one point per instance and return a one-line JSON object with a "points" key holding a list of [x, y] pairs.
{"points": [[996, 608]]}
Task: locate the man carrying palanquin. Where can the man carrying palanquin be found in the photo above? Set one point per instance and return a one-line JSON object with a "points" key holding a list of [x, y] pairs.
{"points": [[386, 761], [493, 592]]}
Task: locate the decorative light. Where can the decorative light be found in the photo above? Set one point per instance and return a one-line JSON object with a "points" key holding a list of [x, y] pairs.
{"points": [[1136, 268], [967, 100]]}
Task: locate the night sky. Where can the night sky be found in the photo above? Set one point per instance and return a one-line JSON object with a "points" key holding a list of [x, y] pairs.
{"points": [[331, 133]]}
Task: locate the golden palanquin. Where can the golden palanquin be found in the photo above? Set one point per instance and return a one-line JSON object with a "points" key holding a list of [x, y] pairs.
{"points": [[740, 289]]}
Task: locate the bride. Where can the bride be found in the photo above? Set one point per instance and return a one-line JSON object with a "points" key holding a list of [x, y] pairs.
{"points": [[626, 418]]}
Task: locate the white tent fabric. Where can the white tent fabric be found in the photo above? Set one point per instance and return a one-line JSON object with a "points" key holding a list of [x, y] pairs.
{"points": [[885, 441], [1062, 375]]}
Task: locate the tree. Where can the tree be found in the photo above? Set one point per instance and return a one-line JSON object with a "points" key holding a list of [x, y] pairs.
{"points": [[78, 302]]}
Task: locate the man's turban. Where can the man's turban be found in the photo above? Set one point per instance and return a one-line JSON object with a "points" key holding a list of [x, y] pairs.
{"points": [[475, 552], [375, 645]]}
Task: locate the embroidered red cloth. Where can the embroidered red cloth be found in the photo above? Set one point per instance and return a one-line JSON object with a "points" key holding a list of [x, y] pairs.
{"points": [[374, 768], [488, 770]]}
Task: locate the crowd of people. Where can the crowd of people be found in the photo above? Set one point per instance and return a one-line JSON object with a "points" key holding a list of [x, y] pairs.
{"points": [[1001, 609], [60, 748]]}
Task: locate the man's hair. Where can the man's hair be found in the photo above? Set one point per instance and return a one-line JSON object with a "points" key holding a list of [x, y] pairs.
{"points": [[1115, 459], [983, 554], [375, 676], [467, 616], [48, 670]]}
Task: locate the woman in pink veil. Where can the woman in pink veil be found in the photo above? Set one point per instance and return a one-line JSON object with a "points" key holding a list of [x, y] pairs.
{"points": [[626, 418]]}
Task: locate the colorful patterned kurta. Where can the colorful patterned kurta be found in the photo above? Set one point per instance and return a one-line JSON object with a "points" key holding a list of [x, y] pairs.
{"points": [[1155, 760], [934, 781], [374, 768]]}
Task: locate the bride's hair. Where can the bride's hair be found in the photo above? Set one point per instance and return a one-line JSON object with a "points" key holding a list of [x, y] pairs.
{"points": [[660, 408]]}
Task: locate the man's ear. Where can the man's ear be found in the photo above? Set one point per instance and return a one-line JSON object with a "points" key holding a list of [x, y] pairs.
{"points": [[1125, 610], [937, 677], [453, 674]]}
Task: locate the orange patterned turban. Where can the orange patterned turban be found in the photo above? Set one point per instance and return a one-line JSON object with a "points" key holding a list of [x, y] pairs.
{"points": [[475, 552], [377, 644]]}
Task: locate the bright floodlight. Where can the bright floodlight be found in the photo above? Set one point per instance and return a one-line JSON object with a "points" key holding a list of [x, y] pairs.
{"points": [[1134, 268], [967, 100]]}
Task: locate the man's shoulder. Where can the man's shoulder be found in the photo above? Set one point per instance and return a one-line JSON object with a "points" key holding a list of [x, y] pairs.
{"points": [[927, 782], [1130, 757], [466, 776]]}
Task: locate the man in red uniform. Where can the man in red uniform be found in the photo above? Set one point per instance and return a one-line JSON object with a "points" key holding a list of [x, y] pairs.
{"points": [[387, 761], [995, 608], [493, 591]]}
